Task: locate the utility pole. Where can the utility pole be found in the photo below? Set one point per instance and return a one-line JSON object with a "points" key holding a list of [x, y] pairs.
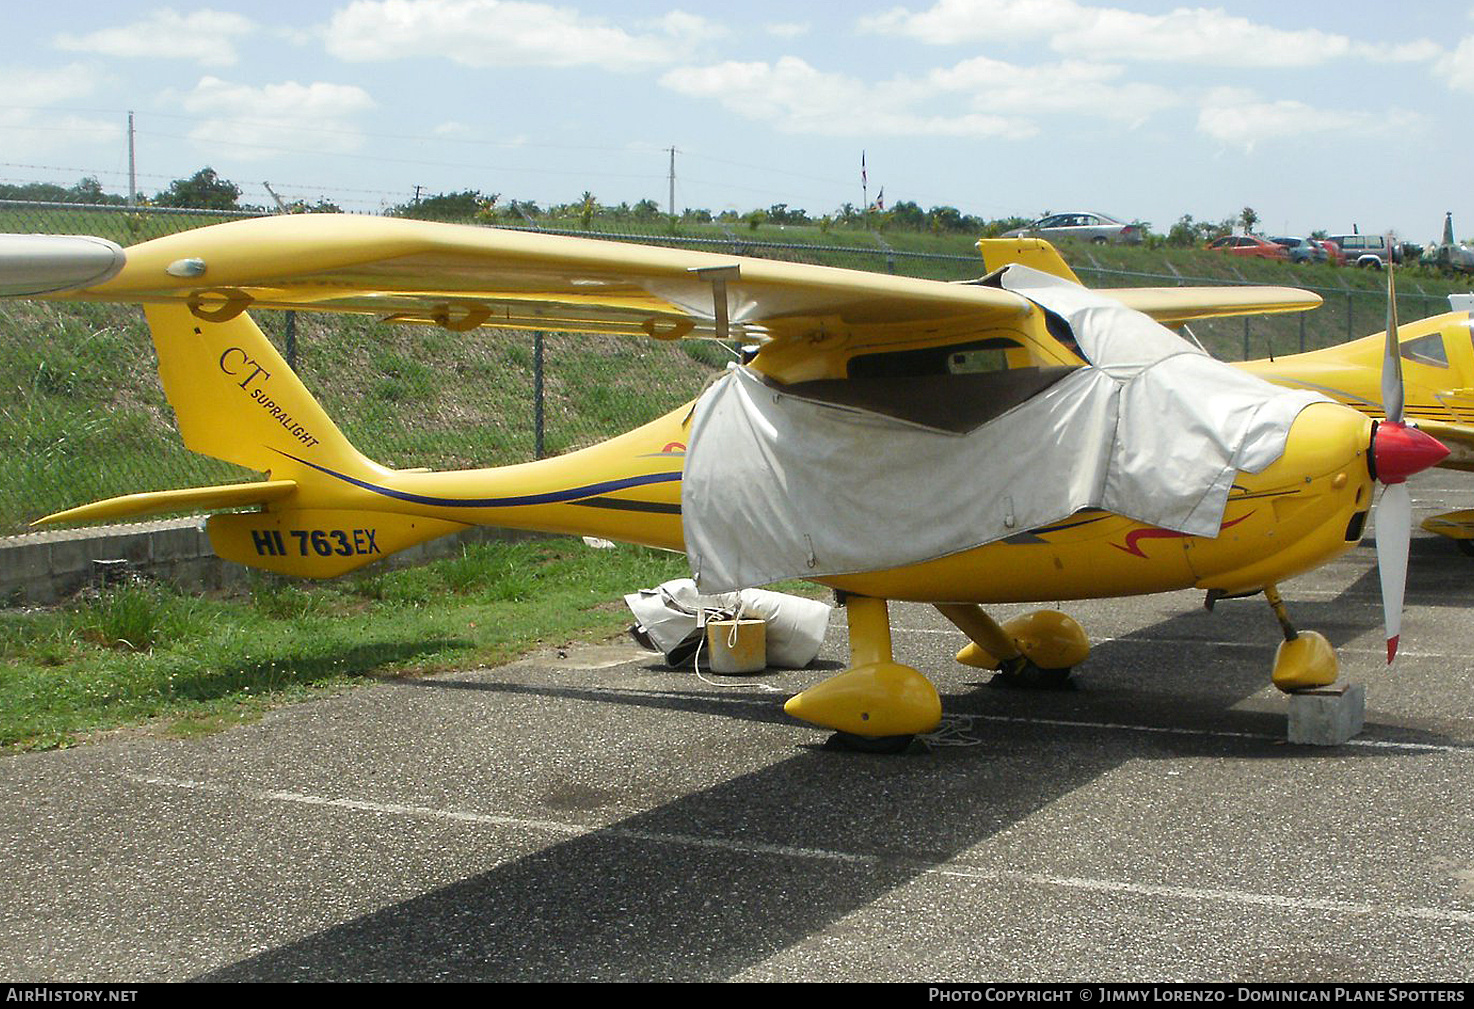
{"points": [[132, 167], [673, 182], [280, 206]]}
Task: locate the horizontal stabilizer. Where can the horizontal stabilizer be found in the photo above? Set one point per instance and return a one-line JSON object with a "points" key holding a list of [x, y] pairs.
{"points": [[237, 495]]}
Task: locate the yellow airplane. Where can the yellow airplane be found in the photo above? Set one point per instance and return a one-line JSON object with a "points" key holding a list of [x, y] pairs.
{"points": [[1017, 438], [1437, 361]]}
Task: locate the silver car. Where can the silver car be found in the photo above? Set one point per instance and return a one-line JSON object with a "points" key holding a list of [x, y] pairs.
{"points": [[1081, 227]]}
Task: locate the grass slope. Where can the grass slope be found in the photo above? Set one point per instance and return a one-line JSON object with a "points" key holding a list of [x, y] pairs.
{"points": [[186, 664]]}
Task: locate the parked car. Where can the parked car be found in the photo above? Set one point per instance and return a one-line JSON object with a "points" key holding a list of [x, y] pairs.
{"points": [[1367, 250], [1334, 255], [1301, 250], [1081, 227], [1248, 245]]}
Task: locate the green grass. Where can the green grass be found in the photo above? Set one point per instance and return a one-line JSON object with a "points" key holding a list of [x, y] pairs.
{"points": [[178, 664]]}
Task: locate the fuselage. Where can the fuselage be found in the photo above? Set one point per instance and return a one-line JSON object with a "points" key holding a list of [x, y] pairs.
{"points": [[1437, 369], [1296, 514]]}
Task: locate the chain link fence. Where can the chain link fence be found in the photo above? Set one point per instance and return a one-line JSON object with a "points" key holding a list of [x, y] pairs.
{"points": [[85, 417]]}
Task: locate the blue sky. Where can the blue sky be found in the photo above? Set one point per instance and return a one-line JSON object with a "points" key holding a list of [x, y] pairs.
{"points": [[1316, 114]]}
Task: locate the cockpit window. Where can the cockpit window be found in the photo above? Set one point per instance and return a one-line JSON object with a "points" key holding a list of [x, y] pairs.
{"points": [[1427, 350], [953, 359]]}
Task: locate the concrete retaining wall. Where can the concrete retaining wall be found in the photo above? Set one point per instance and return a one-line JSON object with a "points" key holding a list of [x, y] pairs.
{"points": [[38, 569]]}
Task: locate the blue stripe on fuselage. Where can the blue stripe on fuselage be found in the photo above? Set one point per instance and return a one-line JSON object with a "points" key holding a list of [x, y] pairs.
{"points": [[551, 497]]}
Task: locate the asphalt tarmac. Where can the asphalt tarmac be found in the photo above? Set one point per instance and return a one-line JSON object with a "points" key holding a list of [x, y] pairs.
{"points": [[595, 816]]}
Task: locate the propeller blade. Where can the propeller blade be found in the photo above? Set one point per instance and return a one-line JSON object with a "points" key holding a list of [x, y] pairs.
{"points": [[1392, 359], [1394, 525]]}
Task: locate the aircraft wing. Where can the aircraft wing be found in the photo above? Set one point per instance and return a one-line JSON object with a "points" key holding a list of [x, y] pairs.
{"points": [[1174, 305], [1171, 306], [462, 277]]}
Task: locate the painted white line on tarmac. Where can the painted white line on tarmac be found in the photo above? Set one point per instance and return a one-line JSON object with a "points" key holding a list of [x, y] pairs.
{"points": [[1217, 643], [1172, 730], [1248, 898]]}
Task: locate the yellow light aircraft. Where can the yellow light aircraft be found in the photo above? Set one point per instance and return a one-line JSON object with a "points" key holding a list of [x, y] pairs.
{"points": [[1012, 439], [1437, 361]]}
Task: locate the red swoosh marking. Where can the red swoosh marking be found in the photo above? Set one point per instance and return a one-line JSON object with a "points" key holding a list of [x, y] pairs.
{"points": [[1136, 535]]}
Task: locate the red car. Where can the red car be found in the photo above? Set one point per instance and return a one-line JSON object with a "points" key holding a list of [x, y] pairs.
{"points": [[1333, 251], [1248, 245]]}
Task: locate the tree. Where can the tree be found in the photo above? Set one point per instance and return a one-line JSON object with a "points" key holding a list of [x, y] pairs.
{"points": [[1248, 218], [1183, 234], [462, 206], [779, 213], [204, 190], [907, 214], [89, 190], [947, 219]]}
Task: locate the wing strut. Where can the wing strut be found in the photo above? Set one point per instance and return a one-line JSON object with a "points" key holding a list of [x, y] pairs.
{"points": [[718, 277]]}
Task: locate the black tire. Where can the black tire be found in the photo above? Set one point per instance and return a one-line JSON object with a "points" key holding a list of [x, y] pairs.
{"points": [[1021, 674], [869, 744]]}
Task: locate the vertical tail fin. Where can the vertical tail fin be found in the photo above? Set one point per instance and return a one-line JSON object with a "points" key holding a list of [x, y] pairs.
{"points": [[236, 399], [1032, 252]]}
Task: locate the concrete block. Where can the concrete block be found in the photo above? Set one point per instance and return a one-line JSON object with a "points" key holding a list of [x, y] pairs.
{"points": [[25, 570], [1327, 716], [171, 545]]}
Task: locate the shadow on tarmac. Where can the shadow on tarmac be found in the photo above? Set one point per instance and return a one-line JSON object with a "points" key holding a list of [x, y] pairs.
{"points": [[716, 881]]}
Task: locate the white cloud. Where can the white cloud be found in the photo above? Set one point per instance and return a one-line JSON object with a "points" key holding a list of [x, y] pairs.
{"points": [[1198, 35], [508, 33], [1238, 117], [975, 98], [31, 130], [1091, 89], [950, 21], [206, 37], [688, 29], [797, 98], [788, 29], [1457, 68], [254, 120]]}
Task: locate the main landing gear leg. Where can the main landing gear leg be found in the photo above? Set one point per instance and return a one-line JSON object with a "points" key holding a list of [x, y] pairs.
{"points": [[1305, 659], [877, 705], [1033, 652]]}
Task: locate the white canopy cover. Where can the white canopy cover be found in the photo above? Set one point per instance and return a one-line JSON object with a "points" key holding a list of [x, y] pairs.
{"points": [[1151, 428]]}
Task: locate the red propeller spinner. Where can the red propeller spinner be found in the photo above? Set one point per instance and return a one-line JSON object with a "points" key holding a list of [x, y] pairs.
{"points": [[1399, 451]]}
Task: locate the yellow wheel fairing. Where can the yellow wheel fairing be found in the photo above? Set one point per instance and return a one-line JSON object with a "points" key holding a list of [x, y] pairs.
{"points": [[1307, 661], [877, 699]]}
